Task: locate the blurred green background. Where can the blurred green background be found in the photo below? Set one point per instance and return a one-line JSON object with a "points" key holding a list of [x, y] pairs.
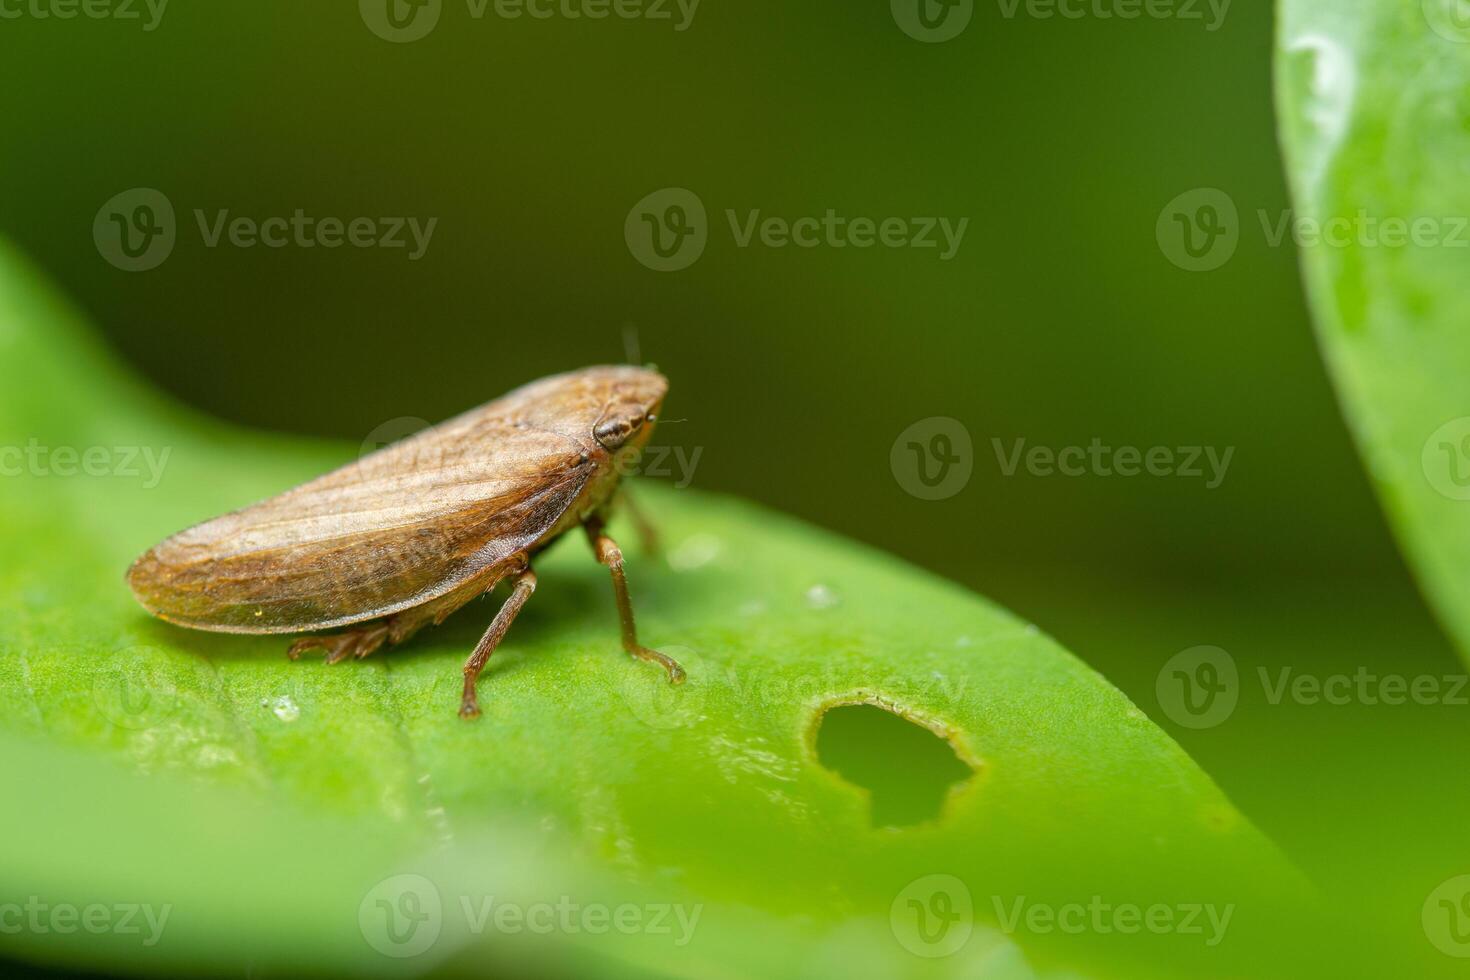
{"points": [[1059, 320]]}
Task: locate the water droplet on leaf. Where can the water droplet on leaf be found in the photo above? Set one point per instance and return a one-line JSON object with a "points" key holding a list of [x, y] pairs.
{"points": [[821, 597]]}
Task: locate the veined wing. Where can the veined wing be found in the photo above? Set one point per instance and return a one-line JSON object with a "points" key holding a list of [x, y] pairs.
{"points": [[394, 530]]}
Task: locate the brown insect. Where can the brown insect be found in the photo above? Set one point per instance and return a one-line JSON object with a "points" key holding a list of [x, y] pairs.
{"points": [[409, 534]]}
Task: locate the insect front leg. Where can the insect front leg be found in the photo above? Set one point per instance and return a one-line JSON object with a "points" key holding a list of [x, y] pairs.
{"points": [[524, 585], [611, 555]]}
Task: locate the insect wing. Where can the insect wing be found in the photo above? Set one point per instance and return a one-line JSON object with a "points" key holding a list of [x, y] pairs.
{"points": [[396, 529]]}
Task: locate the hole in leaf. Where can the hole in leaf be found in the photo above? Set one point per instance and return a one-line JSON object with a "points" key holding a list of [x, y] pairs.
{"points": [[907, 769]]}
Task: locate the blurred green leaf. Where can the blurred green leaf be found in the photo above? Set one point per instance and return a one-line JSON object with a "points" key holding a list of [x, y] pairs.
{"points": [[271, 803], [1372, 103]]}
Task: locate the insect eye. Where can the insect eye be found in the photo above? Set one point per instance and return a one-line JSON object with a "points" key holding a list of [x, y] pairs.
{"points": [[612, 433]]}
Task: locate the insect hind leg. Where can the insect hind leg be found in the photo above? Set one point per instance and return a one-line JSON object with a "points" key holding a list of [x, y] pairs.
{"points": [[359, 643]]}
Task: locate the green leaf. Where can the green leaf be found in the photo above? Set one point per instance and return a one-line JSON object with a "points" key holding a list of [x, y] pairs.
{"points": [[1372, 102], [270, 804]]}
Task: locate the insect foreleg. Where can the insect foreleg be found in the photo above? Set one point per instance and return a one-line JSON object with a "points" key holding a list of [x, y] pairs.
{"points": [[611, 555], [525, 584]]}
